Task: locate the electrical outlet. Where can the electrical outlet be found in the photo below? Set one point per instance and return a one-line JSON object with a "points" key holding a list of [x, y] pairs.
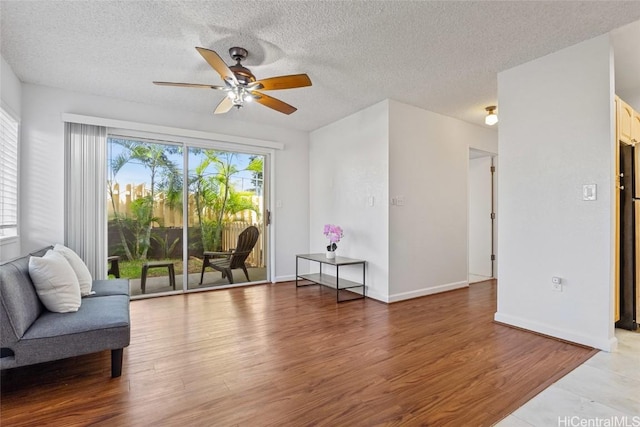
{"points": [[556, 287]]}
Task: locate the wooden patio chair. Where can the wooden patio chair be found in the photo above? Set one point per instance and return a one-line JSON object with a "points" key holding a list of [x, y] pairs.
{"points": [[235, 258]]}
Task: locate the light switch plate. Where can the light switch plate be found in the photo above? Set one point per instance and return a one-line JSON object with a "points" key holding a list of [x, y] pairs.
{"points": [[589, 192]]}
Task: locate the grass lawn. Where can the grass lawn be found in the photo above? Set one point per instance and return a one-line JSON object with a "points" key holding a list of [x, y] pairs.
{"points": [[133, 269]]}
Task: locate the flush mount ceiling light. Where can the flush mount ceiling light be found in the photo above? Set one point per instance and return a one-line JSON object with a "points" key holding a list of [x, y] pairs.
{"points": [[492, 117]]}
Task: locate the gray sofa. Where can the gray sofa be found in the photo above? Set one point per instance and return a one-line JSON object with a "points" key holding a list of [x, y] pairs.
{"points": [[29, 333]]}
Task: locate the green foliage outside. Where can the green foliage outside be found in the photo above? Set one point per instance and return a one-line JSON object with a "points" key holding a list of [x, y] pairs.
{"points": [[164, 175], [216, 198], [133, 269], [211, 185]]}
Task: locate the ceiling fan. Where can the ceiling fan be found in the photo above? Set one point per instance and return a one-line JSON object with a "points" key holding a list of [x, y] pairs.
{"points": [[241, 85]]}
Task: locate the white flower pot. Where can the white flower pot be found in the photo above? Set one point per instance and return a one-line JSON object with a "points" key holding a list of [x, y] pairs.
{"points": [[331, 254]]}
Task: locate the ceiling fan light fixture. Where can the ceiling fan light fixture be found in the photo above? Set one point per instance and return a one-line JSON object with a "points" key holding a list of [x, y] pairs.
{"points": [[491, 117], [241, 85]]}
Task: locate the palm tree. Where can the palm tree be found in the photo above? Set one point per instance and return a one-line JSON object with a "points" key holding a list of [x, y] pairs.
{"points": [[139, 222], [256, 166], [154, 158], [215, 195]]}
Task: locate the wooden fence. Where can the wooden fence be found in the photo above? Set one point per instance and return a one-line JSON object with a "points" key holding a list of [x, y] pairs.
{"points": [[230, 233], [170, 216]]}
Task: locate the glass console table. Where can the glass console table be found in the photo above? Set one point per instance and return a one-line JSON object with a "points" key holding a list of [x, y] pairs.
{"points": [[331, 281]]}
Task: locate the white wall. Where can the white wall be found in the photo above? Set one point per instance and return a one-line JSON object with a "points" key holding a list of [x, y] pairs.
{"points": [[480, 216], [388, 150], [348, 166], [10, 88], [428, 158], [11, 94], [556, 134], [43, 175]]}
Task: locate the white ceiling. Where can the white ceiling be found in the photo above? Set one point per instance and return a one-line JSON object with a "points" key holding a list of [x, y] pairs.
{"points": [[440, 56]]}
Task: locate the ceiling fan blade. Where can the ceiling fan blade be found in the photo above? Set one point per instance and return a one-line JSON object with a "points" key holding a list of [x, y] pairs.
{"points": [[224, 106], [283, 82], [197, 85], [219, 65], [274, 103]]}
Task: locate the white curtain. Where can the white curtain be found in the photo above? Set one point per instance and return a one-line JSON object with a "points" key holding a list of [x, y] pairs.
{"points": [[85, 194]]}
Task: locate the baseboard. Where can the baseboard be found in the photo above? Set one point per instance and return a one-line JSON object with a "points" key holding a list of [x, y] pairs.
{"points": [[563, 334], [427, 291], [371, 293]]}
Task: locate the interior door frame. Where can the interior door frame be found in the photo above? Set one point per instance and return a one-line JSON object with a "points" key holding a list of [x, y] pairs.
{"points": [[494, 206]]}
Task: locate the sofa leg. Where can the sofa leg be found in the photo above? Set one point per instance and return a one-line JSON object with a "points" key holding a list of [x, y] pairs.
{"points": [[116, 362]]}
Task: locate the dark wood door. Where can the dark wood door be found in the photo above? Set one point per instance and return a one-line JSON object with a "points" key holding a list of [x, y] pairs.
{"points": [[627, 240]]}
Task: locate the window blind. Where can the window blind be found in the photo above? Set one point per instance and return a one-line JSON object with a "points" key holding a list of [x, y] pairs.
{"points": [[8, 175], [86, 195]]}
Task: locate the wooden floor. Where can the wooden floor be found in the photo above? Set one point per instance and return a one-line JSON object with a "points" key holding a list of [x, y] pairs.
{"points": [[272, 355]]}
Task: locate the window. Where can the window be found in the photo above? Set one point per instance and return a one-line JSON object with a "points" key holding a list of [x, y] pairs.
{"points": [[8, 175]]}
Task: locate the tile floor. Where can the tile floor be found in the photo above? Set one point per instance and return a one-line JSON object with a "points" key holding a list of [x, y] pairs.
{"points": [[604, 391]]}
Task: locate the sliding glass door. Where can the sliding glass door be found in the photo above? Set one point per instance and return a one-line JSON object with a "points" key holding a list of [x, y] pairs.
{"points": [[166, 225], [144, 191], [226, 199]]}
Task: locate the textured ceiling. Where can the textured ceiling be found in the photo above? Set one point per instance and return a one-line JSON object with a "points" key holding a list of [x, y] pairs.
{"points": [[440, 56]]}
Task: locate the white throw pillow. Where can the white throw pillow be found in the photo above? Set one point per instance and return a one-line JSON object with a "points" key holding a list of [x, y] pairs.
{"points": [[80, 268], [55, 282]]}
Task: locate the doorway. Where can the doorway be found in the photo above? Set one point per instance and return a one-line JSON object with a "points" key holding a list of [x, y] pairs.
{"points": [[481, 211]]}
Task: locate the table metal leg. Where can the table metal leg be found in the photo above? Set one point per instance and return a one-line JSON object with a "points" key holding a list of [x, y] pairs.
{"points": [[337, 283], [364, 284]]}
